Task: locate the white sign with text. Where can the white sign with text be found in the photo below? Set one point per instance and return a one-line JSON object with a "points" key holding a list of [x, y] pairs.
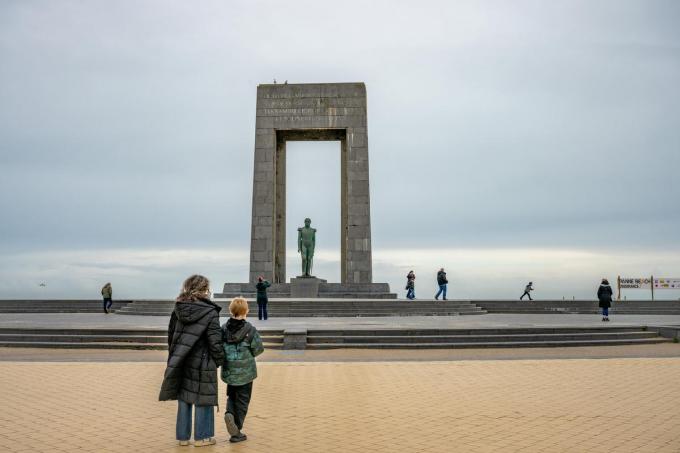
{"points": [[636, 283]]}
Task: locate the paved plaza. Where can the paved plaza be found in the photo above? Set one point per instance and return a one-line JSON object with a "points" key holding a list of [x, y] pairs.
{"points": [[497, 320], [581, 399], [610, 405]]}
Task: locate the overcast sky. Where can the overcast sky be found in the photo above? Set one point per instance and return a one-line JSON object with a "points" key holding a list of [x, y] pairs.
{"points": [[508, 141]]}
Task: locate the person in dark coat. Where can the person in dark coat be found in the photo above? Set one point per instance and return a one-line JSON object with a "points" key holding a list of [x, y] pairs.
{"points": [[527, 291], [107, 296], [194, 353], [442, 282], [604, 295], [411, 286], [262, 299]]}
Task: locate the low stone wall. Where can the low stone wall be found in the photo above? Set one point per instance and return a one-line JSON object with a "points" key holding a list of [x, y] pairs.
{"points": [[57, 305]]}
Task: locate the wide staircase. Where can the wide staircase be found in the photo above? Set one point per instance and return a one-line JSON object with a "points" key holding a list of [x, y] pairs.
{"points": [[57, 306], [327, 308], [637, 307], [349, 338], [481, 338], [104, 338]]}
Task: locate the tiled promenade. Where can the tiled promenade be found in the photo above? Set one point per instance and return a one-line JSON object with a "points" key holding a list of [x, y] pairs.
{"points": [[610, 405]]}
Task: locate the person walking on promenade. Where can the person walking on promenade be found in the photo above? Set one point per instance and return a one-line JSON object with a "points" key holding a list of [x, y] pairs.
{"points": [[107, 294], [411, 286], [262, 300], [527, 290], [242, 344], [604, 295], [442, 282], [194, 353]]}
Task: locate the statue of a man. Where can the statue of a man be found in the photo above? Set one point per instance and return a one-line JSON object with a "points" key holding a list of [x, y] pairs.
{"points": [[306, 243]]}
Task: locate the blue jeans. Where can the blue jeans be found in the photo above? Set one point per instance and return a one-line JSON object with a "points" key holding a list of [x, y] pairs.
{"points": [[442, 290], [204, 421], [411, 293], [262, 310], [605, 311]]}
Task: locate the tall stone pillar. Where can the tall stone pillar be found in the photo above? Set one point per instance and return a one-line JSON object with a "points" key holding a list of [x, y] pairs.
{"points": [[335, 111]]}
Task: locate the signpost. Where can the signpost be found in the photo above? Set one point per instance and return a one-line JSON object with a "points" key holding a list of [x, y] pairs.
{"points": [[644, 283]]}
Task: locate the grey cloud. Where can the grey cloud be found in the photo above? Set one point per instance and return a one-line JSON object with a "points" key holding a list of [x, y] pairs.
{"points": [[131, 124]]}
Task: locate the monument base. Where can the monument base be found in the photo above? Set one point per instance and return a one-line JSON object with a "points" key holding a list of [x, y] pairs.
{"points": [[311, 287], [305, 287]]}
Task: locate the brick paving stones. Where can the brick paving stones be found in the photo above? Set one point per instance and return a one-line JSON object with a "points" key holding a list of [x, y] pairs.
{"points": [[615, 405], [357, 355]]}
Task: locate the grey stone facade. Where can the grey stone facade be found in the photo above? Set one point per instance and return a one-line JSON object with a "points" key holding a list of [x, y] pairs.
{"points": [[333, 111]]}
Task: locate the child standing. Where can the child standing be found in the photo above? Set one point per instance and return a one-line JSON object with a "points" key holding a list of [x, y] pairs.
{"points": [[242, 344]]}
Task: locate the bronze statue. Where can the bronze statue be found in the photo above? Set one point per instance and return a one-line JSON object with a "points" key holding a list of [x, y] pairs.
{"points": [[306, 243]]}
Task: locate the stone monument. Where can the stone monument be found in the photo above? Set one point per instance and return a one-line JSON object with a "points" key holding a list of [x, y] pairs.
{"points": [[303, 112]]}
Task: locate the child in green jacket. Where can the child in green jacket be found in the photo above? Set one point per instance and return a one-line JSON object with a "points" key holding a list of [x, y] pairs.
{"points": [[242, 344]]}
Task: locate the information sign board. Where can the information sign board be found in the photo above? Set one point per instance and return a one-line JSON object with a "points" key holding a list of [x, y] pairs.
{"points": [[635, 283]]}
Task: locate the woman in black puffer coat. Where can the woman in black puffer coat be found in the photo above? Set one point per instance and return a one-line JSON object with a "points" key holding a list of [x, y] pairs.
{"points": [[604, 295], [194, 353]]}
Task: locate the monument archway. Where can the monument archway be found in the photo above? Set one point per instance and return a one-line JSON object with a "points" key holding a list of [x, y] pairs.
{"points": [[302, 112]]}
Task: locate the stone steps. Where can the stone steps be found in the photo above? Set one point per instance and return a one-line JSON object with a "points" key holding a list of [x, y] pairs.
{"points": [[663, 307], [349, 338], [352, 307], [507, 338], [57, 306], [329, 308], [517, 344], [481, 338], [103, 338]]}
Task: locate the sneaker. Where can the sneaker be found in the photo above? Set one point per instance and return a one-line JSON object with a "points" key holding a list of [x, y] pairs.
{"points": [[205, 442], [604, 319], [238, 438], [231, 425], [183, 443]]}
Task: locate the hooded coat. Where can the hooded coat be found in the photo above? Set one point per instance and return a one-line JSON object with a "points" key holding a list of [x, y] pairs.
{"points": [[604, 294], [194, 353], [242, 344], [262, 290]]}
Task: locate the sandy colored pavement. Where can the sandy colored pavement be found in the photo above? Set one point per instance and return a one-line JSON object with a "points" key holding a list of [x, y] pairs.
{"points": [[357, 355], [495, 405]]}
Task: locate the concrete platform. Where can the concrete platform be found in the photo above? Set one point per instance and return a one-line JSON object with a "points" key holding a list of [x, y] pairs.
{"points": [[100, 320], [322, 289], [496, 331]]}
